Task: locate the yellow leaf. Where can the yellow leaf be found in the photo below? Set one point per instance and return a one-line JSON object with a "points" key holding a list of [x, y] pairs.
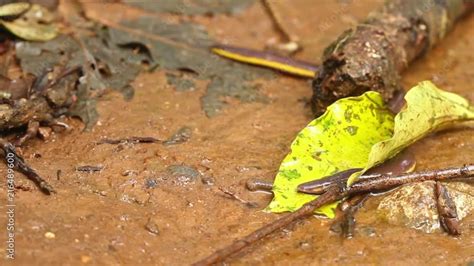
{"points": [[33, 25], [13, 9], [428, 109], [359, 132], [338, 140]]}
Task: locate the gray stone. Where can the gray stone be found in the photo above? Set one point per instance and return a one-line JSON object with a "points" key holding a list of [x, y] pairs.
{"points": [[183, 174]]}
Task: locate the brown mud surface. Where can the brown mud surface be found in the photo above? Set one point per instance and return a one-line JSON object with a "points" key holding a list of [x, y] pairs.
{"points": [[108, 217]]}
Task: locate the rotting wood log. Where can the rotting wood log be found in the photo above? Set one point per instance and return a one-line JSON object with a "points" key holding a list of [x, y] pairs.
{"points": [[372, 55]]}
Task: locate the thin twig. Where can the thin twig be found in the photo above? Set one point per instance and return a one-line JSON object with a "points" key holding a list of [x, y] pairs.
{"points": [[24, 168], [290, 43], [334, 193], [237, 198], [276, 20], [128, 140], [386, 181], [305, 211]]}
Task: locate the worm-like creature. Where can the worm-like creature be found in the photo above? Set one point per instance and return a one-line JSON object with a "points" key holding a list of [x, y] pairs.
{"points": [[267, 59]]}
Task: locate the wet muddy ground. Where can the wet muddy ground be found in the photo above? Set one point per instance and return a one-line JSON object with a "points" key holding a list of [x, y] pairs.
{"points": [[134, 211]]}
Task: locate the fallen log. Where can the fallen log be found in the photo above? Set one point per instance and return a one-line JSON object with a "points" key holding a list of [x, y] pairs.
{"points": [[372, 55]]}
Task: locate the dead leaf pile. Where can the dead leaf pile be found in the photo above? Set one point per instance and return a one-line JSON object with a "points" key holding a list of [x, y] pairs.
{"points": [[104, 66], [101, 57]]}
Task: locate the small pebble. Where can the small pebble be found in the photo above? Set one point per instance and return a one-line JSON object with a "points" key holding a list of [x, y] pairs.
{"points": [[124, 218], [44, 132], [85, 259], [304, 245], [367, 231], [129, 172], [151, 183], [183, 174], [49, 235], [182, 135], [206, 163], [152, 227]]}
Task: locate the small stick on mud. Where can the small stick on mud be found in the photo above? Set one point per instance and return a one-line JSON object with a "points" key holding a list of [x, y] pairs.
{"points": [[290, 44], [128, 140], [334, 193], [24, 168], [89, 168], [237, 198]]}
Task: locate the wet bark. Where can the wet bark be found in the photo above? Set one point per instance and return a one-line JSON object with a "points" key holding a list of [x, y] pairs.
{"points": [[373, 54]]}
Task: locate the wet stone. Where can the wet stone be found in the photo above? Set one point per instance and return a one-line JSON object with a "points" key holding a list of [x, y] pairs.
{"points": [[414, 205], [183, 174], [152, 227], [367, 231], [151, 183], [206, 163], [182, 135], [304, 245], [44, 132]]}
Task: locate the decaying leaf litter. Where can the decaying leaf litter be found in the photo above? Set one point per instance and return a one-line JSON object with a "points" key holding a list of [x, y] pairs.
{"points": [[111, 59], [149, 41]]}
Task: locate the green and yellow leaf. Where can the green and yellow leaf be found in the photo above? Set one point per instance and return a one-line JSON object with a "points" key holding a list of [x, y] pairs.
{"points": [[338, 140], [428, 109], [34, 25], [360, 132], [14, 9]]}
